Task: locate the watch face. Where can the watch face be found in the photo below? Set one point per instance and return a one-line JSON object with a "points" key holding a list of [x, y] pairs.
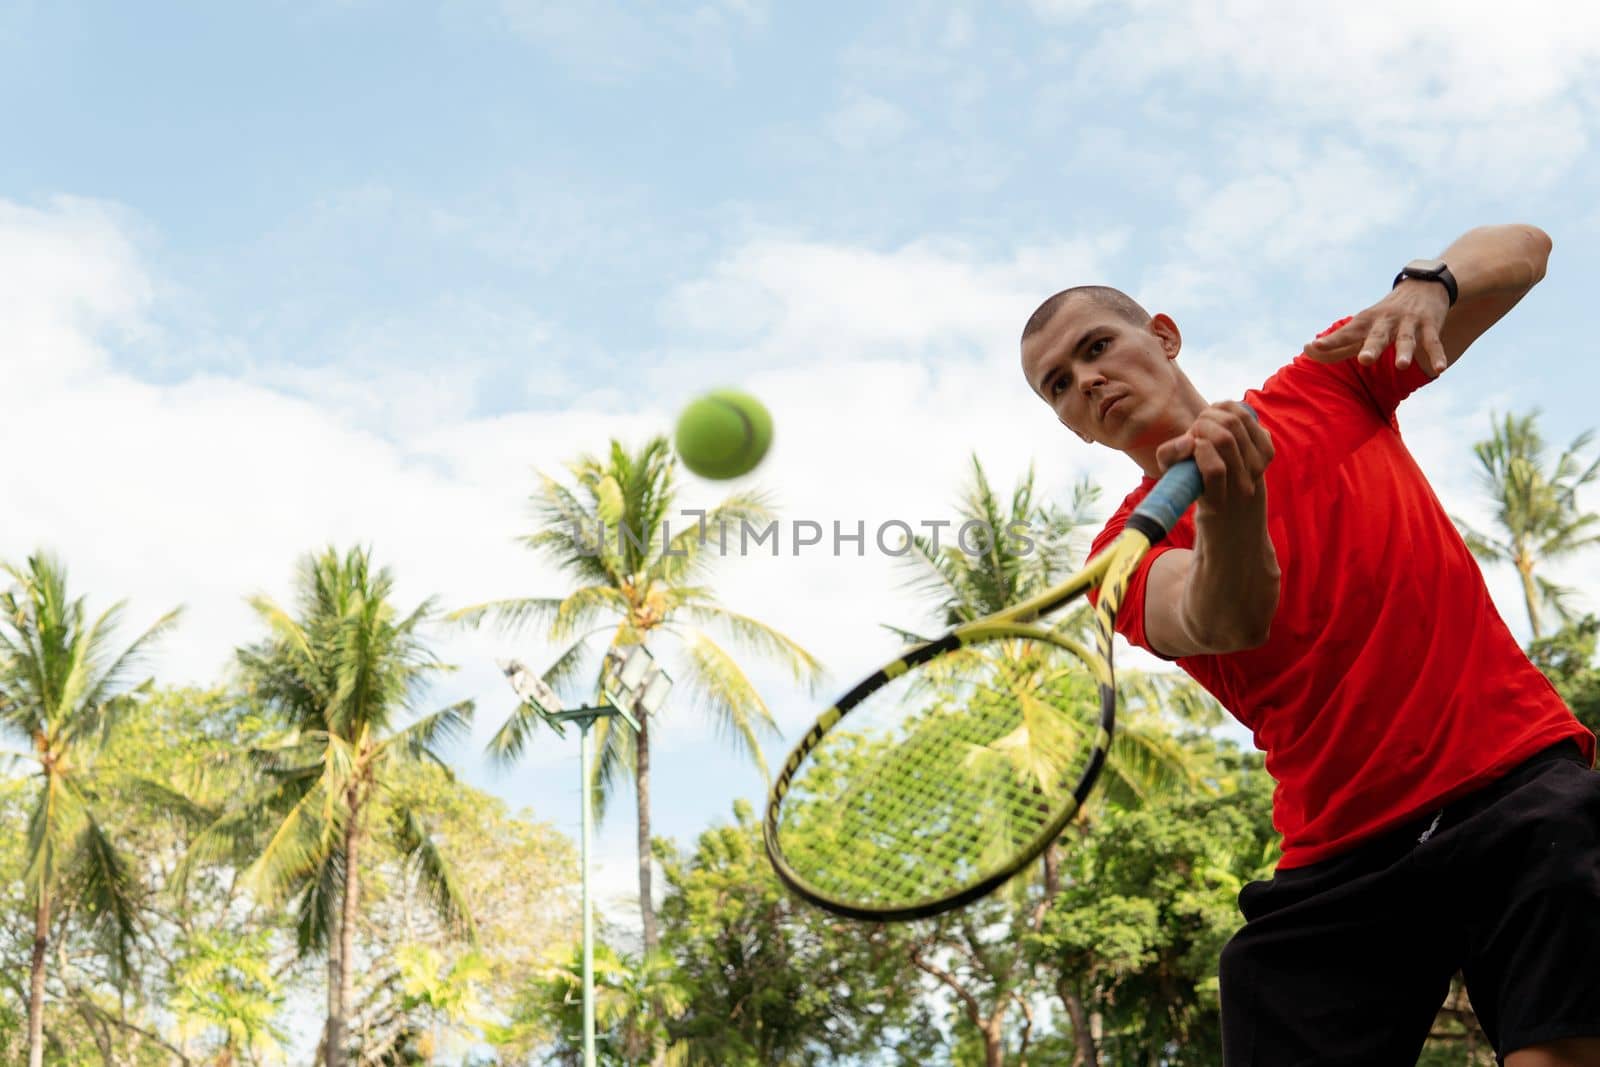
{"points": [[1425, 266]]}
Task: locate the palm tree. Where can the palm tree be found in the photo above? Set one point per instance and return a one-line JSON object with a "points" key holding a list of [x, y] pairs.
{"points": [[63, 693], [343, 673], [611, 532], [1536, 509], [635, 1000]]}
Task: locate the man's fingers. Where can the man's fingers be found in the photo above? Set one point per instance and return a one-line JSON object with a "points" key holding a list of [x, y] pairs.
{"points": [[1213, 468], [1337, 345], [1253, 435], [1175, 451], [1223, 435], [1377, 340], [1434, 348], [1405, 343]]}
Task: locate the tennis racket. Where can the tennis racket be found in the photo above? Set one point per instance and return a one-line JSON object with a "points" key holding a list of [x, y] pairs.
{"points": [[942, 775]]}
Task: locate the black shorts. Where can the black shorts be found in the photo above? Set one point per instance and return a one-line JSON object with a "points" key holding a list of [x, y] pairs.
{"points": [[1347, 961]]}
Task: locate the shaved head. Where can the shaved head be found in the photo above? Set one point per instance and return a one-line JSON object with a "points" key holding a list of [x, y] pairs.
{"points": [[1113, 300]]}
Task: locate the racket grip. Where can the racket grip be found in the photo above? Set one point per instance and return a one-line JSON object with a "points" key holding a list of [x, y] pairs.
{"points": [[1166, 502]]}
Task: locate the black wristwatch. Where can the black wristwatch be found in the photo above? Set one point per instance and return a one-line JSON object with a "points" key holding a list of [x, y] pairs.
{"points": [[1429, 270]]}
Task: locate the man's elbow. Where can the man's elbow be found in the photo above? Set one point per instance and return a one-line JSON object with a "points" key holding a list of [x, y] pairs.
{"points": [[1239, 634], [1539, 247], [1248, 626], [1248, 634]]}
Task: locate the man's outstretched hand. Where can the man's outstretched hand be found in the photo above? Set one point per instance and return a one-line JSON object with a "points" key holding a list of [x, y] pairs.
{"points": [[1409, 317]]}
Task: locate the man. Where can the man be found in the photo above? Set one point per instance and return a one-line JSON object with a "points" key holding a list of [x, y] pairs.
{"points": [[1434, 794]]}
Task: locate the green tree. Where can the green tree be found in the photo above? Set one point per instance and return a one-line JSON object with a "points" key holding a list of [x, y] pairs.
{"points": [[1147, 900], [343, 673], [1536, 512], [773, 980], [63, 693], [635, 999], [145, 774], [518, 880], [1567, 658], [224, 992], [611, 531]]}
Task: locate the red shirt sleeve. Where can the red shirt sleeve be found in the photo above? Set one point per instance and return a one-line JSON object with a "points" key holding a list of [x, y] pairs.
{"points": [[1130, 616], [1381, 384]]}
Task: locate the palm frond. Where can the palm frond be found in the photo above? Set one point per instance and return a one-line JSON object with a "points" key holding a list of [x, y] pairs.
{"points": [[717, 684], [615, 752], [299, 845], [511, 616], [422, 738], [506, 747], [108, 891], [580, 607], [687, 556], [115, 677], [316, 904], [54, 823], [433, 874], [761, 639]]}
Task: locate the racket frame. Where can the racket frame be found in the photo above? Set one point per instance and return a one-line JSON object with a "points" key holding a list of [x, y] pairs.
{"points": [[1117, 562]]}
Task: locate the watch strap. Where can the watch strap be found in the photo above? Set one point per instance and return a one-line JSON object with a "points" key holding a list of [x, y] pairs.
{"points": [[1442, 275]]}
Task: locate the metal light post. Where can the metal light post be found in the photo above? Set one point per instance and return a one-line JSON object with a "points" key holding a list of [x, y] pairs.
{"points": [[631, 682]]}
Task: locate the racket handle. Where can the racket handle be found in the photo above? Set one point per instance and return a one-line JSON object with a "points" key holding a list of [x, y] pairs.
{"points": [[1165, 504]]}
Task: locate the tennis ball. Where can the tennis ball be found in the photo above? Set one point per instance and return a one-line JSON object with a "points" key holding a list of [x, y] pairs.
{"points": [[723, 434]]}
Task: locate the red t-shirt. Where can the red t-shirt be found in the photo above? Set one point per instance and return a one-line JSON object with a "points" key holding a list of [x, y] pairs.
{"points": [[1389, 685]]}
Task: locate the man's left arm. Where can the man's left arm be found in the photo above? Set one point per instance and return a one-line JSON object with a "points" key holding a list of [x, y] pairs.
{"points": [[1494, 267]]}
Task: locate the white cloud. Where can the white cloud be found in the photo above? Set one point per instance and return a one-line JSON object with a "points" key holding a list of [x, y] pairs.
{"points": [[1454, 85], [827, 303], [65, 270], [1281, 206]]}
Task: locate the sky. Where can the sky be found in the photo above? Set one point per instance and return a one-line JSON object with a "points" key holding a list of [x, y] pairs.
{"points": [[279, 276]]}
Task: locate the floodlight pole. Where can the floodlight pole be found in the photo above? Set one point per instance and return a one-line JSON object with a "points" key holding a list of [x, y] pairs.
{"points": [[588, 903], [549, 707], [585, 718]]}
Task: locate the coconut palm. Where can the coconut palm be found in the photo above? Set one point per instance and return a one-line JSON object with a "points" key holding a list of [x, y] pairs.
{"points": [[611, 530], [345, 673], [1536, 510], [63, 692]]}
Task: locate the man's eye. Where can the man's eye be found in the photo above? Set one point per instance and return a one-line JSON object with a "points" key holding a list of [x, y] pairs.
{"points": [[1098, 347], [1058, 383]]}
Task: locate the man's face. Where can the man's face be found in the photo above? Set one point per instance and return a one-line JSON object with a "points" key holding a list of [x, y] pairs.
{"points": [[1106, 379]]}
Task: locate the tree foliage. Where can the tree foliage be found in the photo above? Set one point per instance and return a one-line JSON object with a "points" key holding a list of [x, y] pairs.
{"points": [[1537, 515]]}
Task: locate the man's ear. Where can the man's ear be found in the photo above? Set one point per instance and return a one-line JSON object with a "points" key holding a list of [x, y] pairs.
{"points": [[1167, 332]]}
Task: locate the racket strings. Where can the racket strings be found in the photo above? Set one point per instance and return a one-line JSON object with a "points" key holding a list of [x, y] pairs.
{"points": [[943, 774]]}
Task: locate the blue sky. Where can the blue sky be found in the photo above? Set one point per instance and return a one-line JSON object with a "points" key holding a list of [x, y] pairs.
{"points": [[277, 275]]}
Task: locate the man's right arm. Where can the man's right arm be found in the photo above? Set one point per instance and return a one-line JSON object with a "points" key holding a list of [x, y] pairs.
{"points": [[1221, 595]]}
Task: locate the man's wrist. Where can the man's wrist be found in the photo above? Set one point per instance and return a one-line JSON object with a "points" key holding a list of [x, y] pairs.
{"points": [[1435, 289], [1429, 270]]}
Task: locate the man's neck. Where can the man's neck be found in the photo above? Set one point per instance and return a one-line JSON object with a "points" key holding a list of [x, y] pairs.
{"points": [[1186, 407]]}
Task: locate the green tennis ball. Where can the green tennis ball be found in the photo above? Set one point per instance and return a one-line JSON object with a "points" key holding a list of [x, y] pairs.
{"points": [[723, 434]]}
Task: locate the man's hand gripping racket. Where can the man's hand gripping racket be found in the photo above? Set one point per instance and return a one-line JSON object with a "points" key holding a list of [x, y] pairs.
{"points": [[940, 776]]}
